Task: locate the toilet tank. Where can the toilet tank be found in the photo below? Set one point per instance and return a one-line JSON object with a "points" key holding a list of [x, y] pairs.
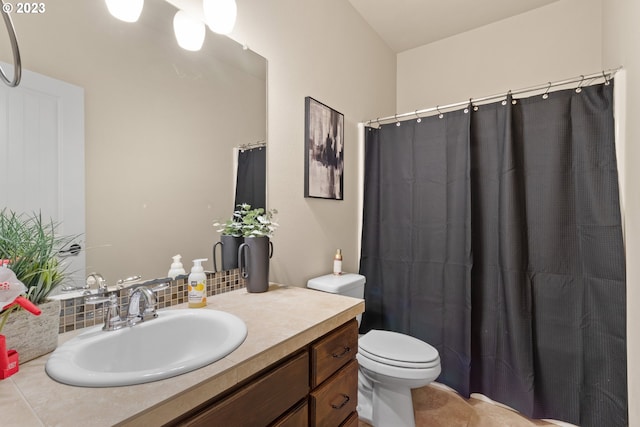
{"points": [[348, 284]]}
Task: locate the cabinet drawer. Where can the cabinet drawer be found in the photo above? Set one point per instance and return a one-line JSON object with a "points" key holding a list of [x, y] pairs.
{"points": [[332, 402], [263, 400], [352, 421], [333, 351], [297, 417]]}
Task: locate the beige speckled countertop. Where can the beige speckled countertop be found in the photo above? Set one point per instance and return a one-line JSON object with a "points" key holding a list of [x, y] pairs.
{"points": [[279, 322]]}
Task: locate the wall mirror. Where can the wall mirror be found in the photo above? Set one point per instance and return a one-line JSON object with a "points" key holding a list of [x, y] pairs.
{"points": [[160, 127]]}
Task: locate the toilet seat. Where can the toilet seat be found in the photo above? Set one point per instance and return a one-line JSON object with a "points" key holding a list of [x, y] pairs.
{"points": [[397, 350], [390, 374]]}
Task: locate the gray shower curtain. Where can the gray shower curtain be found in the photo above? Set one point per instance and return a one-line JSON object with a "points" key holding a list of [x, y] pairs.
{"points": [[251, 184], [495, 235]]}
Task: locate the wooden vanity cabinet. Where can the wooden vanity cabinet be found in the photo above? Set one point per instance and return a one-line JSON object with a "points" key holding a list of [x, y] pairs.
{"points": [[296, 417], [334, 377], [317, 386], [261, 401], [333, 351]]}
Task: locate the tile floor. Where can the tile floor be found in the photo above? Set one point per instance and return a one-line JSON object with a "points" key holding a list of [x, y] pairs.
{"points": [[436, 407]]}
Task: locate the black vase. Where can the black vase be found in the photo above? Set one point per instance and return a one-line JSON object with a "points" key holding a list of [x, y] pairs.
{"points": [[229, 246], [253, 257]]}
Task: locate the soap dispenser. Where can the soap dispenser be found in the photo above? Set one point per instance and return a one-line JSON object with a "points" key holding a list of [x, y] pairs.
{"points": [[176, 267], [337, 262], [197, 285]]}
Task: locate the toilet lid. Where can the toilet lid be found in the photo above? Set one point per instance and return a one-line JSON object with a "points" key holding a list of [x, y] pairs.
{"points": [[397, 349]]}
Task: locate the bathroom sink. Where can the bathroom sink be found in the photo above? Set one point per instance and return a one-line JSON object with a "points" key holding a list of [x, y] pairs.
{"points": [[177, 341]]}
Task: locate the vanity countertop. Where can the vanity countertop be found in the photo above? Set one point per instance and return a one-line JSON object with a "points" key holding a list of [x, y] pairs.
{"points": [[279, 322]]}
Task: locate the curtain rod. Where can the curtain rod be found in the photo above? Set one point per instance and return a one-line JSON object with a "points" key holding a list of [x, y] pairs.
{"points": [[251, 145], [606, 74]]}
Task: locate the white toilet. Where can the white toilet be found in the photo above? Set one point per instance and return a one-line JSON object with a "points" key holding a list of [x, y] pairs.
{"points": [[391, 364]]}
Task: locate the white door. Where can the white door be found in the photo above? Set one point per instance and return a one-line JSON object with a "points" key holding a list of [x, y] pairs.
{"points": [[42, 157]]}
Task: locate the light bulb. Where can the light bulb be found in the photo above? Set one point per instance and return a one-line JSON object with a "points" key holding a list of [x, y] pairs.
{"points": [[125, 10], [189, 31], [220, 15]]}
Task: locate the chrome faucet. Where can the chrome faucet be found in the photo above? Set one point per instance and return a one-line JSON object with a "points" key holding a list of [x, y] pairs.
{"points": [[93, 280], [98, 280], [142, 305], [111, 311]]}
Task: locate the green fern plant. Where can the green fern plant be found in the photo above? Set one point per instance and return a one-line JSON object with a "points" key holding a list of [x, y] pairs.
{"points": [[247, 222], [31, 246]]}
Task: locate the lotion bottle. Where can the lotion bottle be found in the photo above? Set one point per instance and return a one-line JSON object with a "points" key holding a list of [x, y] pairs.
{"points": [[176, 267], [197, 285], [337, 262]]}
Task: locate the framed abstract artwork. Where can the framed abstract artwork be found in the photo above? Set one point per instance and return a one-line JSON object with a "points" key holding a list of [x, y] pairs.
{"points": [[323, 151]]}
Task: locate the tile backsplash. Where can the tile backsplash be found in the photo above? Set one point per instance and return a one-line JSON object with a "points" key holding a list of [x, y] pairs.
{"points": [[75, 314]]}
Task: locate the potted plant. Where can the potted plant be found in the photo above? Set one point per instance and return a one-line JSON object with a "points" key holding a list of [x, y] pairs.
{"points": [[256, 222], [245, 222], [257, 226], [30, 247], [230, 241]]}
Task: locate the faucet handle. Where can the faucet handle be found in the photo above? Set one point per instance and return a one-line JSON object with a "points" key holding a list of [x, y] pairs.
{"points": [[99, 299], [128, 280], [160, 287], [112, 319], [96, 280]]}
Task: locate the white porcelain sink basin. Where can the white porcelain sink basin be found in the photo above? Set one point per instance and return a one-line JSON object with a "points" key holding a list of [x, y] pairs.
{"points": [[177, 341]]}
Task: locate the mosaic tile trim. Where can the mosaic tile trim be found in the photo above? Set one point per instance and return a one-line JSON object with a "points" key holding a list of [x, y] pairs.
{"points": [[75, 314]]}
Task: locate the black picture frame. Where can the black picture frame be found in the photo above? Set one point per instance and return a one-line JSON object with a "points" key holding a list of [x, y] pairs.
{"points": [[323, 151]]}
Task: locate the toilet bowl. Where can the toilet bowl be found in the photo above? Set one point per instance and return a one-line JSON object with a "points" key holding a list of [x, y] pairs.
{"points": [[390, 363]]}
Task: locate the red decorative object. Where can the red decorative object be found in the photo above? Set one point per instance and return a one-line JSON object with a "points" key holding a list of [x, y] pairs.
{"points": [[8, 360]]}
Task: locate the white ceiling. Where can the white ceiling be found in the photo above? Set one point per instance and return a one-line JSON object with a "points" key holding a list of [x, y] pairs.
{"points": [[405, 24]]}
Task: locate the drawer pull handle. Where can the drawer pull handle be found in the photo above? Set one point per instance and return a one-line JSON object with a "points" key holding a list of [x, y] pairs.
{"points": [[345, 400], [345, 351]]}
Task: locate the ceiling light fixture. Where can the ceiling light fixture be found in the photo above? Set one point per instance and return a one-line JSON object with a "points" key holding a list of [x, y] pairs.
{"points": [[189, 31], [220, 15], [125, 10]]}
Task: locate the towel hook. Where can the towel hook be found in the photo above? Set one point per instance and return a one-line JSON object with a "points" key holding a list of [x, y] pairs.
{"points": [[440, 115], [418, 116], [17, 63], [579, 88], [546, 94]]}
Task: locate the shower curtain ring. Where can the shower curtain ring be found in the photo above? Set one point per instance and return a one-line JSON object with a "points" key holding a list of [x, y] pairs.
{"points": [[606, 79], [418, 116], [395, 116], [440, 115], [579, 88], [466, 110], [378, 121], [546, 94]]}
